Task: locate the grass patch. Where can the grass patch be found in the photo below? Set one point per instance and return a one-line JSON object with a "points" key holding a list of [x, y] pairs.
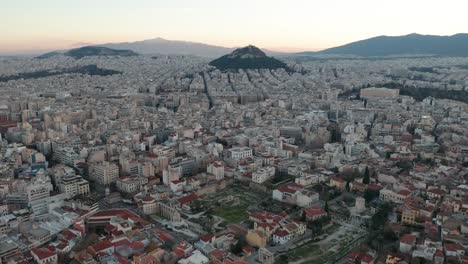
{"points": [[234, 214], [304, 251]]}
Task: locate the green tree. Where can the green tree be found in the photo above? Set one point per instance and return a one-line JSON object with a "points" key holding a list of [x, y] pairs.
{"points": [[366, 179], [418, 260], [377, 225], [237, 248], [370, 195], [404, 165]]}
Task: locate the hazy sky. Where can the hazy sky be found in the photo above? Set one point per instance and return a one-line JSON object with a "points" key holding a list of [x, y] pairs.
{"points": [[275, 24]]}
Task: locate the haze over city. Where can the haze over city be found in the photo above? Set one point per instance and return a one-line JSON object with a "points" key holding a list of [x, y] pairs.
{"points": [[296, 25]]}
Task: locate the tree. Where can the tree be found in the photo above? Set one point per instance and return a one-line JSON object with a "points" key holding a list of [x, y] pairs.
{"points": [[370, 195], [283, 259], [377, 225], [237, 248], [366, 179], [418, 260], [404, 165], [390, 235]]}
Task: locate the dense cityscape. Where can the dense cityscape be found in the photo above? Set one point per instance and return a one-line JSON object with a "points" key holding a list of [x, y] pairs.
{"points": [[168, 159]]}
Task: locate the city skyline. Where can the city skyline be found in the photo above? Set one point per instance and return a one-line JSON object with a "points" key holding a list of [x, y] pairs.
{"points": [[205, 145], [293, 26]]}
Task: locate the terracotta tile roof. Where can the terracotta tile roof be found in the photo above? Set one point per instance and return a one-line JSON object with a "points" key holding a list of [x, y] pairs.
{"points": [[207, 237], [408, 239], [453, 247], [187, 199], [281, 233], [314, 211], [42, 253], [102, 245]]}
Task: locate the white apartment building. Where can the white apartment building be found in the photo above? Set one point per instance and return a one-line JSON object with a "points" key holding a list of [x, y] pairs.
{"points": [[131, 184], [37, 193], [146, 169], [263, 174], [105, 172], [67, 156], [239, 153], [45, 147], [172, 174], [74, 185], [217, 169], [164, 152]]}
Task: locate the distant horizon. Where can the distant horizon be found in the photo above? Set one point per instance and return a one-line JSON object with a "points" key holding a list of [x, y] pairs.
{"points": [[289, 26], [79, 44]]}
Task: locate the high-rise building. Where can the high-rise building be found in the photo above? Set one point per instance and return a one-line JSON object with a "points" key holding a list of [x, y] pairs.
{"points": [[37, 193], [74, 185], [67, 156], [105, 172]]}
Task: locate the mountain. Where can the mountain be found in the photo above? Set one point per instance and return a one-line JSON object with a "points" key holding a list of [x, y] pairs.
{"points": [[175, 47], [97, 51], [412, 44], [170, 47], [48, 55], [249, 57]]}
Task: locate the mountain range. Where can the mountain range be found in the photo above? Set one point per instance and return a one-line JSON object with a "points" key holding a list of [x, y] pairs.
{"points": [[407, 45], [175, 47], [412, 44], [170, 47]]}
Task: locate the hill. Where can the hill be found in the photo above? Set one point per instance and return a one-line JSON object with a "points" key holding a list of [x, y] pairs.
{"points": [[412, 44], [249, 57], [97, 51], [87, 69], [48, 55]]}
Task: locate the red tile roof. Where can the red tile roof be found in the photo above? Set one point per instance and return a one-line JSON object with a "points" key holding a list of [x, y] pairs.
{"points": [[281, 233], [102, 245], [207, 237], [314, 211], [290, 188], [123, 242], [337, 179], [366, 258], [42, 253], [437, 191], [404, 192], [69, 235], [164, 236], [408, 239], [453, 247], [137, 245], [187, 199]]}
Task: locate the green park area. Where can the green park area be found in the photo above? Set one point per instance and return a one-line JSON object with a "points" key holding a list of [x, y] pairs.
{"points": [[306, 251], [232, 214], [232, 204]]}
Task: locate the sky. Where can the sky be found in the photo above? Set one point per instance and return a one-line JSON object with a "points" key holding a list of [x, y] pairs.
{"points": [[283, 25]]}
